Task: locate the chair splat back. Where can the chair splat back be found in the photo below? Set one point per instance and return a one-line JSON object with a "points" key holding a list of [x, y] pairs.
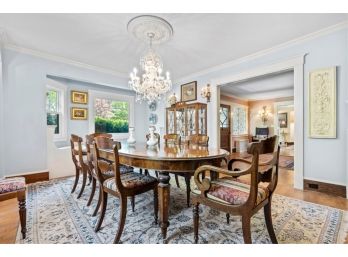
{"points": [[89, 146], [202, 140], [76, 150], [172, 139]]}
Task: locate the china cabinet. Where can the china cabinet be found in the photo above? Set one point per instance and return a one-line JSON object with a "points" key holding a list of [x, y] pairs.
{"points": [[186, 119]]}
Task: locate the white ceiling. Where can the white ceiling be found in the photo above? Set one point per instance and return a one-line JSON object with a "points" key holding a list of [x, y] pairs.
{"points": [[266, 87], [200, 40]]}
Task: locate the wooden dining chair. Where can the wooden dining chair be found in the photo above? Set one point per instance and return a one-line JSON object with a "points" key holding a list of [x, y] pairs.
{"points": [[122, 186], [173, 139], [237, 197], [15, 188], [199, 140], [105, 144], [81, 164], [93, 135], [268, 147], [89, 147]]}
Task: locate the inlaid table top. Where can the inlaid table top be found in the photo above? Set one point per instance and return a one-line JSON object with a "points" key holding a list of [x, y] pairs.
{"points": [[170, 152]]}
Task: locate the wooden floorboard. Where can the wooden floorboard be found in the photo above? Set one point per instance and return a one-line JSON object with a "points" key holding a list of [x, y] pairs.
{"points": [[9, 219]]}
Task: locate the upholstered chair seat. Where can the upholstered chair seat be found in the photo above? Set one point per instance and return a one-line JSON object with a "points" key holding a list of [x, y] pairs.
{"points": [[110, 173], [131, 180], [11, 184], [233, 191]]}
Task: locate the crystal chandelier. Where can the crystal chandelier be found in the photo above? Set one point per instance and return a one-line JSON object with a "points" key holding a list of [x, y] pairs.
{"points": [[151, 85]]}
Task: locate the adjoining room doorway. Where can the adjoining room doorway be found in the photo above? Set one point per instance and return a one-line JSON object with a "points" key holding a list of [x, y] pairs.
{"points": [[255, 109]]}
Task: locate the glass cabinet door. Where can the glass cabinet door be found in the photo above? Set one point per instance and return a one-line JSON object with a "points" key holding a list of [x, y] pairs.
{"points": [[170, 121], [180, 122], [191, 120], [202, 123]]}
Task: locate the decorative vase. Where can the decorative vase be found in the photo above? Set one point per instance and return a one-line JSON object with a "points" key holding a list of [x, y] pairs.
{"points": [[131, 139], [152, 139], [172, 99]]}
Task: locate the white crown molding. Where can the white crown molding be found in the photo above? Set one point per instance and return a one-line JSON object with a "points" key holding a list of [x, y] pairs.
{"points": [[310, 36], [60, 59]]}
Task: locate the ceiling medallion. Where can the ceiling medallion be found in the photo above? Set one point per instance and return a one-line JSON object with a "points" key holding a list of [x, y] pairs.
{"points": [[151, 85], [139, 27]]}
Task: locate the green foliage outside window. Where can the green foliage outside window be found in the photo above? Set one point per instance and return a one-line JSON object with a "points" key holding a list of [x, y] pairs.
{"points": [[52, 109], [111, 116]]}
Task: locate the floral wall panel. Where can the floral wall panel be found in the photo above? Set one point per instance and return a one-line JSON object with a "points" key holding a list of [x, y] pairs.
{"points": [[322, 103]]}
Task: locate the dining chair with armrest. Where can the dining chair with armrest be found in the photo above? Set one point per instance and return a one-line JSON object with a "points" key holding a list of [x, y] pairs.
{"points": [[233, 196]]}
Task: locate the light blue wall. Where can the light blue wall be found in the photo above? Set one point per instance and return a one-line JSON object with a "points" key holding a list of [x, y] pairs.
{"points": [[81, 127], [24, 82], [324, 159]]}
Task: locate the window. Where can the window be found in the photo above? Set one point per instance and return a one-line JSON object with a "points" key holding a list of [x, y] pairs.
{"points": [[52, 109], [111, 116], [55, 109], [239, 121], [110, 113]]}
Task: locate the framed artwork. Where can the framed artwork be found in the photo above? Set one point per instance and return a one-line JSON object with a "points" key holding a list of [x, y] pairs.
{"points": [[79, 113], [283, 120], [153, 118], [79, 97], [189, 91], [153, 106], [322, 103]]}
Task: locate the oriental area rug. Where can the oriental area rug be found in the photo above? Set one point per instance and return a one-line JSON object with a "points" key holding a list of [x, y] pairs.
{"points": [[54, 215]]}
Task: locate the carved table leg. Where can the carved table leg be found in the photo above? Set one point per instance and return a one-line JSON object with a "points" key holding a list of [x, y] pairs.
{"points": [[164, 198]]}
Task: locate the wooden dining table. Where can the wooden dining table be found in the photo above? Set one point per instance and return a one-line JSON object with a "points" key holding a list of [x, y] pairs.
{"points": [[166, 159]]}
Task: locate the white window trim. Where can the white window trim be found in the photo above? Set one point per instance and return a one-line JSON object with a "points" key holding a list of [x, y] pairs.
{"points": [[62, 89], [115, 97]]}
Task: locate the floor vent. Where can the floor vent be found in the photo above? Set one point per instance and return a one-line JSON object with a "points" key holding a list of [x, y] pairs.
{"points": [[313, 186]]}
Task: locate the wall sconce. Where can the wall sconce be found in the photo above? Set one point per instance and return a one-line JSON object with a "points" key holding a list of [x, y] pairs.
{"points": [[264, 114], [205, 92]]}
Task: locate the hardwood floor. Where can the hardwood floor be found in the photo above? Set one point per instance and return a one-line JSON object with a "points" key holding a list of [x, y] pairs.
{"points": [[9, 221], [285, 187], [9, 218]]}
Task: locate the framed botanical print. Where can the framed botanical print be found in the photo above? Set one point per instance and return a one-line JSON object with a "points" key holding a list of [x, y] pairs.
{"points": [[79, 97], [79, 113], [322, 103], [189, 92]]}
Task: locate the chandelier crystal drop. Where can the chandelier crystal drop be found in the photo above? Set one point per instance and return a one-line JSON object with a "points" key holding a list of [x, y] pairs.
{"points": [[151, 85]]}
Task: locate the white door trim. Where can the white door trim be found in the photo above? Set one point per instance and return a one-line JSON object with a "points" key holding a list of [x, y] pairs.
{"points": [[297, 65]]}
